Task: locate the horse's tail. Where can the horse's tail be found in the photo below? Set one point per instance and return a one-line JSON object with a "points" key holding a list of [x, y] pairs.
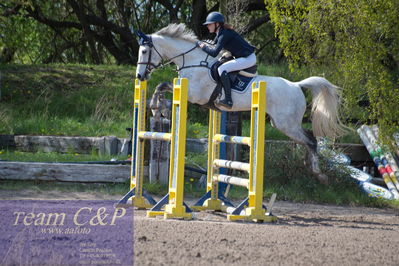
{"points": [[325, 107]]}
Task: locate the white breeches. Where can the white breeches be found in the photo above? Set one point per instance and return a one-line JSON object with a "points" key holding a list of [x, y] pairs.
{"points": [[238, 64]]}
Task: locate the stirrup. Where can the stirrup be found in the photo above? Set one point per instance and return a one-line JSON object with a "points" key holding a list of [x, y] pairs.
{"points": [[226, 103]]}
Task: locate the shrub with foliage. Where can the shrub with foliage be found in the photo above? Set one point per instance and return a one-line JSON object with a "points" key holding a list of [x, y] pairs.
{"points": [[357, 40]]}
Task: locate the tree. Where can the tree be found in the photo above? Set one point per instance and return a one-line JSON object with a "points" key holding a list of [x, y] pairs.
{"points": [[98, 31], [358, 40]]}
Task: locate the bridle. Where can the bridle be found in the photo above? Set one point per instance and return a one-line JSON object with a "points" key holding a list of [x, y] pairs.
{"points": [[150, 66]]}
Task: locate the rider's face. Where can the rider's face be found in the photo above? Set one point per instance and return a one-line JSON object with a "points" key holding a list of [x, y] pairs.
{"points": [[211, 27]]}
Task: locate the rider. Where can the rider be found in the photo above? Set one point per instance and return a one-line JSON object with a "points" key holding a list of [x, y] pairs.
{"points": [[230, 40]]}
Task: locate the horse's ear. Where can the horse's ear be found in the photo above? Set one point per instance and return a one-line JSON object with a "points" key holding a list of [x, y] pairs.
{"points": [[139, 33], [144, 39]]}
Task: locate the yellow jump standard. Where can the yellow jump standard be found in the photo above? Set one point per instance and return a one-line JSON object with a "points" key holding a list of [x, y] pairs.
{"points": [[140, 198], [176, 208], [251, 209]]}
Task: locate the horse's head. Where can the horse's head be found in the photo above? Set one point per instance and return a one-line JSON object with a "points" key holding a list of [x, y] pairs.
{"points": [[148, 58], [172, 44]]}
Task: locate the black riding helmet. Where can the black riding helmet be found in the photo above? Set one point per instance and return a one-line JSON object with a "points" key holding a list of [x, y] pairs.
{"points": [[214, 17]]}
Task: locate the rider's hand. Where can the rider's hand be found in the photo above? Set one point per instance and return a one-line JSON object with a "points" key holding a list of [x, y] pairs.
{"points": [[200, 44]]}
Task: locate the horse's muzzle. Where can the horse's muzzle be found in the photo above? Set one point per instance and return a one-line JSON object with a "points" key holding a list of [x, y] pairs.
{"points": [[140, 77]]}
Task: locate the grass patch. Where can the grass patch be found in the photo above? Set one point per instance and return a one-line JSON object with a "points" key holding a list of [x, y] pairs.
{"points": [[156, 188], [197, 159], [73, 100]]}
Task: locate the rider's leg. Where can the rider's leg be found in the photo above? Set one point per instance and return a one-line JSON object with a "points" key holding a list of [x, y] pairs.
{"points": [[233, 65], [227, 101], [237, 64]]}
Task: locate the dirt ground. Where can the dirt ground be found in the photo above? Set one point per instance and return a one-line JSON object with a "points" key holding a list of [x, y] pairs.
{"points": [[305, 234]]}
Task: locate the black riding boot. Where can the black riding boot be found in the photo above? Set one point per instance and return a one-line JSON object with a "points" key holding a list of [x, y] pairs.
{"points": [[227, 101]]}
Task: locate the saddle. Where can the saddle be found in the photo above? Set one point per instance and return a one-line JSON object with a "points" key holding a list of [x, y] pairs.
{"points": [[239, 79], [248, 72]]}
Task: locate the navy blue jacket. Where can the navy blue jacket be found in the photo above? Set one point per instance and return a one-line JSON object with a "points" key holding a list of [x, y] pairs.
{"points": [[231, 41]]}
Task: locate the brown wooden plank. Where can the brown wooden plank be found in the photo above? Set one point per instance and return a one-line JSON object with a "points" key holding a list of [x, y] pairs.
{"points": [[64, 172]]}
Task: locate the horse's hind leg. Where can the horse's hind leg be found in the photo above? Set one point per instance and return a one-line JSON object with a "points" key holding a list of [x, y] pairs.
{"points": [[313, 157], [306, 138]]}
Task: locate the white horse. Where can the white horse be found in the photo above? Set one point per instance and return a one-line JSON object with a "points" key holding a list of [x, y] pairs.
{"points": [[286, 102]]}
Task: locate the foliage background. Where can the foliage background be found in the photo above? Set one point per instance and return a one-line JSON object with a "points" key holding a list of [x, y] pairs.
{"points": [[98, 31], [357, 41]]}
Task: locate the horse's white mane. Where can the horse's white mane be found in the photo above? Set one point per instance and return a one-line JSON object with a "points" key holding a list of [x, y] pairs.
{"points": [[178, 31]]}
